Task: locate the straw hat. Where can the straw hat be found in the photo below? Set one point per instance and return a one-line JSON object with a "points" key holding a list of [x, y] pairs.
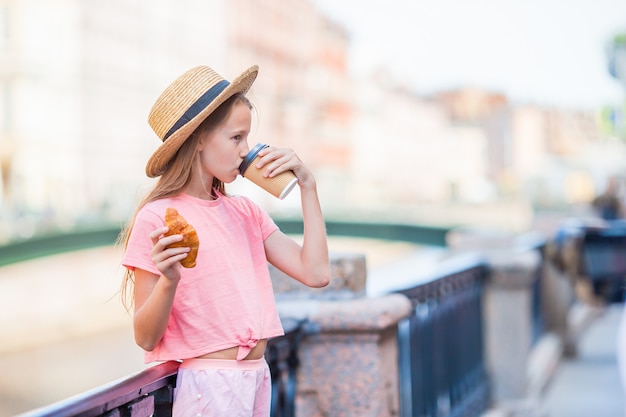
{"points": [[185, 104]]}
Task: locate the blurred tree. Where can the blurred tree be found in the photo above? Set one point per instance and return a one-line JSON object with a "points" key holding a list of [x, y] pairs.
{"points": [[617, 58], [613, 118]]}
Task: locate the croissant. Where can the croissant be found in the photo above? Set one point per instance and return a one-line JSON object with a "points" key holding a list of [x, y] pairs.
{"points": [[178, 226]]}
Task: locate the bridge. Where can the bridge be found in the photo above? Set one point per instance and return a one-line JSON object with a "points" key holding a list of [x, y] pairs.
{"points": [[395, 252]]}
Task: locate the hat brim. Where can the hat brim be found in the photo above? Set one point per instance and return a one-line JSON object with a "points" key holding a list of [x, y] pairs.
{"points": [[163, 155]]}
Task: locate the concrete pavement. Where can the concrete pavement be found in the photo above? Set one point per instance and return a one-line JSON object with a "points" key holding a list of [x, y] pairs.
{"points": [[589, 384]]}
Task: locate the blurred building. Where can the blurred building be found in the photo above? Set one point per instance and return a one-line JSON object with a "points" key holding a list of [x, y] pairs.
{"points": [[560, 157], [548, 156], [78, 77], [407, 151]]}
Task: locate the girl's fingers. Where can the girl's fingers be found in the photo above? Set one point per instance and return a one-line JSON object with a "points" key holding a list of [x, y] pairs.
{"points": [[166, 241], [161, 242], [276, 167], [156, 234], [169, 253], [169, 261], [274, 155], [166, 258], [275, 161]]}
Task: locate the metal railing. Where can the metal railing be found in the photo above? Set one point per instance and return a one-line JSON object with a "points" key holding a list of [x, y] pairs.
{"points": [[442, 364], [151, 391], [538, 298], [603, 260], [146, 393]]}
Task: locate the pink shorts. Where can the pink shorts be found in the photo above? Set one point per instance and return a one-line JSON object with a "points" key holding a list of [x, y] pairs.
{"points": [[222, 388]]}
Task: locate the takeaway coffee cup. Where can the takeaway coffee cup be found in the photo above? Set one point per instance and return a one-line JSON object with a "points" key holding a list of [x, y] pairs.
{"points": [[279, 186]]}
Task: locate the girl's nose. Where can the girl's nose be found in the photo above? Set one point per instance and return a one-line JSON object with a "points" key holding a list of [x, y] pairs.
{"points": [[244, 149]]}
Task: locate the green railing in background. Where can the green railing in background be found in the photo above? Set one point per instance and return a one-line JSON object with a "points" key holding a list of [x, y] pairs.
{"points": [[52, 244], [413, 233], [55, 243]]}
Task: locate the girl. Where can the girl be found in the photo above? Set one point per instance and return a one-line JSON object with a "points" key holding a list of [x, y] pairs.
{"points": [[217, 316]]}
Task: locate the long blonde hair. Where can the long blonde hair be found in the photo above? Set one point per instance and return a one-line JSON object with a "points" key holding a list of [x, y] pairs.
{"points": [[176, 177]]}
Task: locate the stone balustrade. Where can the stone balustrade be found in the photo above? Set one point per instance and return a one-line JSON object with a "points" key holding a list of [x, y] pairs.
{"points": [[348, 358]]}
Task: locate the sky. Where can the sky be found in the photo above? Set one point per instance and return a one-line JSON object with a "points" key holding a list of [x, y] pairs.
{"points": [[549, 52]]}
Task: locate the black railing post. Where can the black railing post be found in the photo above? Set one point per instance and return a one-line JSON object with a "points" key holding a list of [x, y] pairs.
{"points": [[163, 399], [442, 364], [282, 357]]}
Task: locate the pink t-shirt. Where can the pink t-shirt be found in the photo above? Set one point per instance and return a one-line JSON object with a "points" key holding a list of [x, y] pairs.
{"points": [[227, 299]]}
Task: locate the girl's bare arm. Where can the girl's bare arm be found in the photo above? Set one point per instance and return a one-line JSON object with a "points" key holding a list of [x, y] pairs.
{"points": [[307, 263], [154, 294]]}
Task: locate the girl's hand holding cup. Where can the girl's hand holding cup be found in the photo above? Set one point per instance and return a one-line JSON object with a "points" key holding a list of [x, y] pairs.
{"points": [[271, 169]]}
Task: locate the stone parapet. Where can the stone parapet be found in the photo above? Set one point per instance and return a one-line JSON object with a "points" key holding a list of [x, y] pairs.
{"points": [[349, 356], [349, 353], [348, 276], [511, 270], [348, 316], [559, 295], [509, 321]]}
